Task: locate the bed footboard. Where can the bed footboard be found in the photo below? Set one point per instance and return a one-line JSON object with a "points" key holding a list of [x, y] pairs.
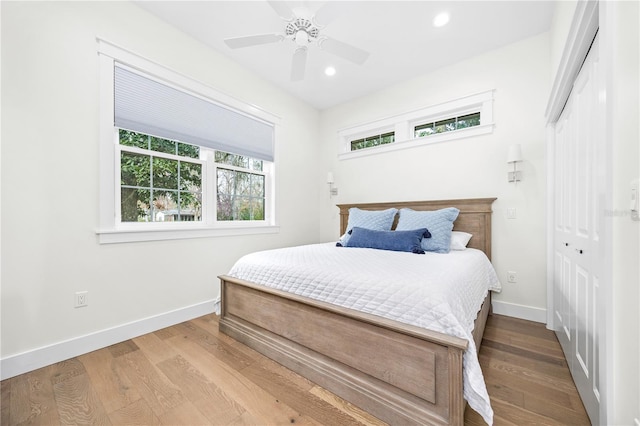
{"points": [[399, 373]]}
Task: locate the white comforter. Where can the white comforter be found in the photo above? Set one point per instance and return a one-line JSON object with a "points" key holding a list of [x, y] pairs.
{"points": [[441, 292]]}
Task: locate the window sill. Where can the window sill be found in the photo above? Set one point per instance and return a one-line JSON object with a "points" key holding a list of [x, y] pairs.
{"points": [[427, 140], [112, 236]]}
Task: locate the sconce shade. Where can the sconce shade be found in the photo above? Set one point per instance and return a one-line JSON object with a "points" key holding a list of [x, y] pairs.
{"points": [[515, 154], [330, 177]]}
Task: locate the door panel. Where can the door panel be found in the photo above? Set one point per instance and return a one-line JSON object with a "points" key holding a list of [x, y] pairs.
{"points": [[576, 236]]}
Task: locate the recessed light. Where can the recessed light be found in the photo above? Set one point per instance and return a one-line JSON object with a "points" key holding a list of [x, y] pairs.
{"points": [[441, 20], [330, 71]]}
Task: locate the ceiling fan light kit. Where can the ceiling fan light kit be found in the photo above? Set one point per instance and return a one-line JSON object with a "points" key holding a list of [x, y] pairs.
{"points": [[303, 29]]}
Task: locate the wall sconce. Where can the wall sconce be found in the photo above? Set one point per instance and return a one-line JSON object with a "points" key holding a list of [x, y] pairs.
{"points": [[332, 190], [514, 157]]}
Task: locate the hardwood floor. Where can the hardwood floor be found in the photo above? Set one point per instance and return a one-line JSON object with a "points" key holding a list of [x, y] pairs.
{"points": [[190, 374]]}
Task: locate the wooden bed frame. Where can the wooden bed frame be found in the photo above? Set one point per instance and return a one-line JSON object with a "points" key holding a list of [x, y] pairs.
{"points": [[399, 373]]}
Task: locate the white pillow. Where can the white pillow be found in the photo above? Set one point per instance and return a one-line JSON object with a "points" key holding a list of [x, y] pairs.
{"points": [[459, 240]]}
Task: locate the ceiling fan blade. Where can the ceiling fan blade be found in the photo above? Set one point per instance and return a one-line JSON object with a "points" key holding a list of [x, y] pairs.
{"points": [[327, 13], [282, 9], [344, 50], [254, 40], [298, 64]]}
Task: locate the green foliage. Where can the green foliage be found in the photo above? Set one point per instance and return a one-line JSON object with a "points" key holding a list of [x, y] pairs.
{"points": [[447, 125], [157, 188], [371, 141]]}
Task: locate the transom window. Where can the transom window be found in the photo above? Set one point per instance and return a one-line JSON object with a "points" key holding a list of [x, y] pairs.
{"points": [[447, 125], [459, 118], [371, 141]]}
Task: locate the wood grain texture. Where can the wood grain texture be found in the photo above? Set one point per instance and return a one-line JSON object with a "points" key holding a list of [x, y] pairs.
{"points": [[528, 382], [474, 216], [400, 373]]}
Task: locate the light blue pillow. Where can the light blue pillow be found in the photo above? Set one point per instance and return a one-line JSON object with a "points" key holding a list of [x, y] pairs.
{"points": [[438, 222], [378, 220], [389, 240]]}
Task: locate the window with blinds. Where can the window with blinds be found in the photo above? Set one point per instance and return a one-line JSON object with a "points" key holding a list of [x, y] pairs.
{"points": [[184, 157]]}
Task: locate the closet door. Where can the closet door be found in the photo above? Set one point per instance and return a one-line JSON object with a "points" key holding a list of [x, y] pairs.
{"points": [[577, 266]]}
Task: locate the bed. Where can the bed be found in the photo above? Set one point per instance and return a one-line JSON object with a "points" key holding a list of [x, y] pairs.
{"points": [[399, 372]]}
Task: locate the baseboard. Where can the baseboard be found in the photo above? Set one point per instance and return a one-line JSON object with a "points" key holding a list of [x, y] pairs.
{"points": [[519, 311], [41, 357]]}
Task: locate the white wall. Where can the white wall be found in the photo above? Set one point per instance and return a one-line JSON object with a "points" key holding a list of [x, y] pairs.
{"points": [[466, 168], [560, 24], [619, 24], [50, 176]]}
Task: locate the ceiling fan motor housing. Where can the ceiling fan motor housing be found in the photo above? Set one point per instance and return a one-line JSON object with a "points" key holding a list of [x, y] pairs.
{"points": [[302, 31]]}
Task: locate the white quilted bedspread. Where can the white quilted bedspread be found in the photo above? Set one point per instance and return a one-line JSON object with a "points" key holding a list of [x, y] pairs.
{"points": [[441, 292]]}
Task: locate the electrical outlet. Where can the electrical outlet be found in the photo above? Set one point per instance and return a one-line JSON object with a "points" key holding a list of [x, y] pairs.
{"points": [[511, 213], [512, 277], [82, 299]]}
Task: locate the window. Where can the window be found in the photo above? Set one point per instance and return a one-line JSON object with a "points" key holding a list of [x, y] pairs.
{"points": [[447, 125], [240, 187], [370, 141], [188, 161], [160, 181], [460, 118]]}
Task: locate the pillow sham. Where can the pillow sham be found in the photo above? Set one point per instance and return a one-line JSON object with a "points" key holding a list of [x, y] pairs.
{"points": [[438, 222], [389, 240], [459, 240], [377, 220]]}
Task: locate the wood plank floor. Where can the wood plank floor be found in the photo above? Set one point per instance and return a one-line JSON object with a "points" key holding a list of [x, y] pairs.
{"points": [[189, 374]]}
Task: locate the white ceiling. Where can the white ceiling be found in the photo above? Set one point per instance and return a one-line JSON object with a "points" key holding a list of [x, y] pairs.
{"points": [[399, 35]]}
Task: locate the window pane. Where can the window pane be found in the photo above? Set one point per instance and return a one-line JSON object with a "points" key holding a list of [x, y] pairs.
{"points": [[190, 206], [242, 210], [424, 130], [257, 209], [257, 165], [240, 195], [357, 144], [372, 141], [135, 169], [225, 181], [190, 176], [468, 120], [134, 204], [138, 140], [388, 138], [165, 206], [445, 125], [257, 186], [163, 145], [186, 150], [165, 173], [243, 183], [225, 211]]}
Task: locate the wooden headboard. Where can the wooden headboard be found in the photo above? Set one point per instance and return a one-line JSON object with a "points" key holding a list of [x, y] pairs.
{"points": [[474, 217]]}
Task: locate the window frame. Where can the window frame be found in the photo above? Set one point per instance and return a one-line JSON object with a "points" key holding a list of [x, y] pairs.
{"points": [[404, 124], [111, 229], [154, 154]]}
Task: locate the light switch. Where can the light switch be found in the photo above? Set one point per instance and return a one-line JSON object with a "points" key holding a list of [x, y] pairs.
{"points": [[511, 212]]}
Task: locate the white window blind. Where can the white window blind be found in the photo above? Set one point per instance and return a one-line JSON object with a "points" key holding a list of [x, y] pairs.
{"points": [[147, 106]]}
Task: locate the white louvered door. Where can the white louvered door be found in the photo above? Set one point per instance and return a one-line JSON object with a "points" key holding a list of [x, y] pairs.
{"points": [[577, 264]]}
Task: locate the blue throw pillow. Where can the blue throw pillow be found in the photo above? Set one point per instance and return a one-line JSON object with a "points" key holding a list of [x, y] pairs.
{"points": [[438, 222], [377, 220], [389, 240]]}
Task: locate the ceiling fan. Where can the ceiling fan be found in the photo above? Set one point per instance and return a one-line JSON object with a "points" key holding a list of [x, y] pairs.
{"points": [[303, 29]]}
